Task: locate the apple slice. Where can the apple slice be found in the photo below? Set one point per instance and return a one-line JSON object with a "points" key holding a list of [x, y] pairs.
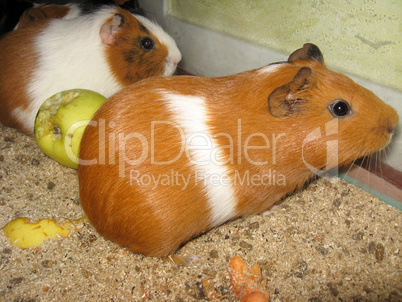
{"points": [[61, 121], [26, 234]]}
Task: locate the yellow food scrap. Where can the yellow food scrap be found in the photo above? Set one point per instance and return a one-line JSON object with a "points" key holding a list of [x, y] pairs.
{"points": [[26, 234]]}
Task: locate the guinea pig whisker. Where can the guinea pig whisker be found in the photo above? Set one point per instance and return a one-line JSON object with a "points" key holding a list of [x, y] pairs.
{"points": [[377, 163], [370, 159], [382, 154], [360, 167], [350, 166]]}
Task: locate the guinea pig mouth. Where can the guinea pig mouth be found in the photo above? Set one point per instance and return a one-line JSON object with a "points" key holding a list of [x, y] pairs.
{"points": [[170, 67]]}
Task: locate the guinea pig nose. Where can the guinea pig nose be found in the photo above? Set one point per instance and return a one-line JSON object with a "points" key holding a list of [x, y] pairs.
{"points": [[391, 129], [387, 126]]}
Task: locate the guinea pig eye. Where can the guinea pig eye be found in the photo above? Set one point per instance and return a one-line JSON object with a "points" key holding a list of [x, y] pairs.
{"points": [[339, 108], [147, 43]]}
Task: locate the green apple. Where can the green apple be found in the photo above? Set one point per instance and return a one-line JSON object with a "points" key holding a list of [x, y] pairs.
{"points": [[61, 121]]}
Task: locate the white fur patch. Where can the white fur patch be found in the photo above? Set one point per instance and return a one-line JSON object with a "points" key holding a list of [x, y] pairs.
{"points": [[205, 155], [74, 12], [270, 68]]}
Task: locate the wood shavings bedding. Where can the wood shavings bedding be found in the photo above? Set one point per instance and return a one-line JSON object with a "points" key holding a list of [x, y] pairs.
{"points": [[329, 242]]}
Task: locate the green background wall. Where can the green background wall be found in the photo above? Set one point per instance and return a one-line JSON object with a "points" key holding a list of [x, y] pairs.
{"points": [[362, 37]]}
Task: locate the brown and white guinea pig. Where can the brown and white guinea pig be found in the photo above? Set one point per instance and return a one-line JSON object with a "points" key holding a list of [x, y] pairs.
{"points": [[167, 159], [104, 51]]}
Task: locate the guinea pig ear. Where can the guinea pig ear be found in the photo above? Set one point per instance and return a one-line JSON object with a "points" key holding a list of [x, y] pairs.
{"points": [[286, 99], [33, 14], [109, 29], [308, 52]]}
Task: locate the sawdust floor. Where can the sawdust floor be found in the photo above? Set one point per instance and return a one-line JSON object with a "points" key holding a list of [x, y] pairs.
{"points": [[329, 242]]}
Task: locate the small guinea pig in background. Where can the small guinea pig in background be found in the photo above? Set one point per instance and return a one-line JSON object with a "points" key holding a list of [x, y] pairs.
{"points": [[104, 50], [167, 159]]}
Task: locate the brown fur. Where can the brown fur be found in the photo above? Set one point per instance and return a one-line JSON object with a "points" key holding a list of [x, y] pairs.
{"points": [[156, 222], [17, 68]]}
